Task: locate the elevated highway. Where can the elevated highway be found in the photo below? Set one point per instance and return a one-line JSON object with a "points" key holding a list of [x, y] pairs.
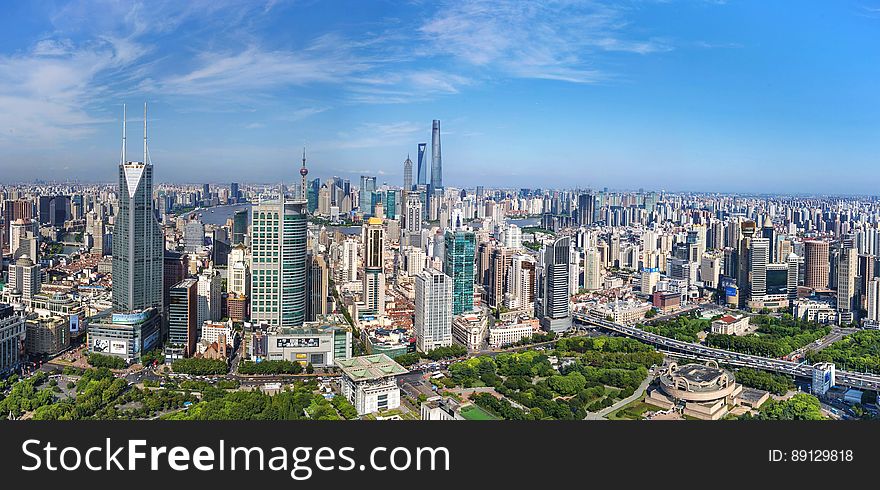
{"points": [[842, 378]]}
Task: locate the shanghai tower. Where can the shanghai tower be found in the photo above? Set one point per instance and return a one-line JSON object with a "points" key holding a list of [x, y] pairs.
{"points": [[436, 163]]}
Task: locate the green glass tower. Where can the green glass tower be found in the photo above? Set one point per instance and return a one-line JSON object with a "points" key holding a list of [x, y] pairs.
{"points": [[279, 271], [458, 264]]}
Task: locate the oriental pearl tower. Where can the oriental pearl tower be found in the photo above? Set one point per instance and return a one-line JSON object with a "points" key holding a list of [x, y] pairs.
{"points": [[303, 172]]}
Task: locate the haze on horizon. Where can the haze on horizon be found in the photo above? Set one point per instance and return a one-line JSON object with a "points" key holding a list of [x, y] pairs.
{"points": [[711, 95]]}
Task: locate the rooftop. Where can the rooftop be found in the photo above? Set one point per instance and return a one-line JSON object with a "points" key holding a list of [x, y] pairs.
{"points": [[376, 366]]}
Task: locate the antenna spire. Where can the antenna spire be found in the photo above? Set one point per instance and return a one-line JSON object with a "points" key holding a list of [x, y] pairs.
{"points": [[123, 134], [145, 133]]}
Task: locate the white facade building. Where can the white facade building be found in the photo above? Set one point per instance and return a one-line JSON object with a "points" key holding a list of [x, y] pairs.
{"points": [[433, 305]]}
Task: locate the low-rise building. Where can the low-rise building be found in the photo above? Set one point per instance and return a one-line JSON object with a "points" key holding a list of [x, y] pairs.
{"points": [[627, 312], [321, 343], [666, 301], [730, 325], [370, 382], [47, 336], [12, 338], [470, 330], [440, 408], [706, 391], [815, 311], [126, 335], [505, 335]]}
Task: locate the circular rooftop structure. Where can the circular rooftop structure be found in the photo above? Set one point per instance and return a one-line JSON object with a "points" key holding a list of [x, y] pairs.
{"points": [[697, 382]]}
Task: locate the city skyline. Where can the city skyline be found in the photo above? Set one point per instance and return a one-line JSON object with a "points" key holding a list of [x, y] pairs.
{"points": [[637, 99]]}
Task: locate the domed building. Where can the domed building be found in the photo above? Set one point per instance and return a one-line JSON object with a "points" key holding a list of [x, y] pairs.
{"points": [[706, 390]]}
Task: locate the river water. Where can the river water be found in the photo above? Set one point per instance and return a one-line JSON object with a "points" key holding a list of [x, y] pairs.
{"points": [[218, 215]]}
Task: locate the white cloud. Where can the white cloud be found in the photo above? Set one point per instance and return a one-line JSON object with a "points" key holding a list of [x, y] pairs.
{"points": [[558, 40], [46, 91], [374, 135]]}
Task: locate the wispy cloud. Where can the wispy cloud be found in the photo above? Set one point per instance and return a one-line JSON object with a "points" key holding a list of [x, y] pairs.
{"points": [[558, 40], [46, 92], [106, 50], [374, 135]]}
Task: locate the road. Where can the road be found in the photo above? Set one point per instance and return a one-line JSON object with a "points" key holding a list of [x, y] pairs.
{"points": [[601, 414], [701, 352]]}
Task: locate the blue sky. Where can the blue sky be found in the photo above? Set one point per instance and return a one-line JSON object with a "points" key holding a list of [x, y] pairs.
{"points": [[766, 96]]}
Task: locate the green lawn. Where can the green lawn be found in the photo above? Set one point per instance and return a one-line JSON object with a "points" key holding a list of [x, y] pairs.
{"points": [[473, 412], [631, 411]]}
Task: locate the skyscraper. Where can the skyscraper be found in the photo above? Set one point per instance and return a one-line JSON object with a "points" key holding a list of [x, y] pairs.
{"points": [[367, 195], [413, 219], [318, 287], [816, 264], [436, 161], [553, 308], [433, 305], [239, 226], [138, 243], [743, 281], [183, 315], [209, 288], [873, 308], [374, 276], [759, 258], [458, 264], [422, 171], [847, 270], [279, 262], [586, 208], [407, 175]]}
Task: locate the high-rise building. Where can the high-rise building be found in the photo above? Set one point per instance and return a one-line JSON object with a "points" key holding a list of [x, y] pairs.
{"points": [[847, 299], [138, 242], [873, 309], [407, 175], [279, 232], [458, 264], [433, 305], [54, 210], [499, 267], [769, 233], [743, 280], [592, 270], [174, 268], [553, 307], [759, 258], [349, 260], [413, 219], [374, 275], [183, 315], [23, 239], [13, 210], [12, 338], [24, 276], [209, 289], [520, 282], [816, 264], [239, 226], [586, 208], [422, 173], [368, 197], [436, 160], [193, 236], [318, 287], [239, 281]]}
